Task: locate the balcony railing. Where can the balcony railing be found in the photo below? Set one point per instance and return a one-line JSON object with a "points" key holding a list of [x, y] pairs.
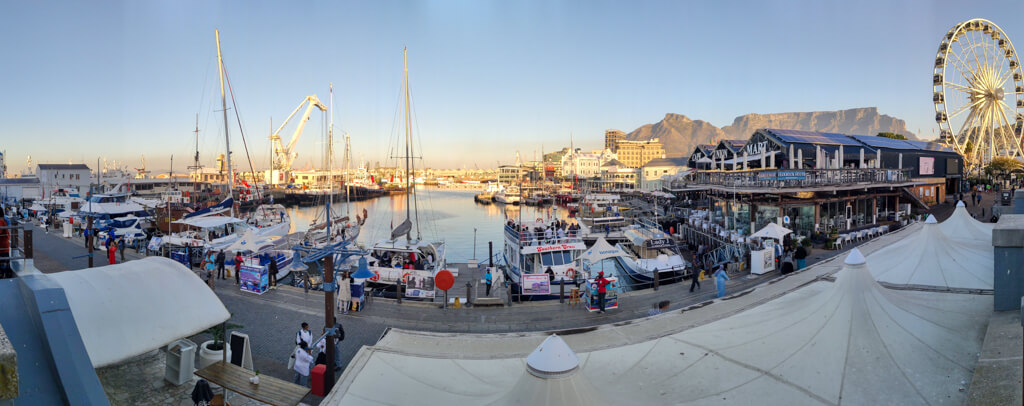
{"points": [[796, 178]]}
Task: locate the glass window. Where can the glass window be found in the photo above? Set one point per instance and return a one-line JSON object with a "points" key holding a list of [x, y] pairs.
{"points": [[545, 259], [567, 256]]}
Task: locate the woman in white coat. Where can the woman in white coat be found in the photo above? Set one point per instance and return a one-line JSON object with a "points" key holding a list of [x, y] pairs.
{"points": [[344, 293]]}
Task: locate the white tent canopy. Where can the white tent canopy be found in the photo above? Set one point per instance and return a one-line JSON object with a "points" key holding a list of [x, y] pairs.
{"points": [[209, 221], [850, 341], [602, 250], [129, 309], [930, 258], [772, 230], [962, 227]]}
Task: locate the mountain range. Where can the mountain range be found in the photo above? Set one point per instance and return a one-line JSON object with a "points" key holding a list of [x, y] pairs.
{"points": [[680, 134]]}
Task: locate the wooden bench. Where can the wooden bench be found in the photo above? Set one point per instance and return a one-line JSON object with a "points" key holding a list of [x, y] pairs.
{"points": [[488, 301]]}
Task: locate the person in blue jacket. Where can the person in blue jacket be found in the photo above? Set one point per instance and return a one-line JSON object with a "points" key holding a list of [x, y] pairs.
{"points": [[720, 278]]}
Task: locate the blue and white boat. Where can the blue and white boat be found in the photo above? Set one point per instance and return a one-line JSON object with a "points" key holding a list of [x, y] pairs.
{"points": [[650, 250]]}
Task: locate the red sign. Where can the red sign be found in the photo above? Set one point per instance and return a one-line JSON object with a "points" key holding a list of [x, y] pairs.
{"points": [[444, 280]]}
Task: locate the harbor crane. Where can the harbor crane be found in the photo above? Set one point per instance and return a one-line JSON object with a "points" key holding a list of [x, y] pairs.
{"points": [[284, 156]]}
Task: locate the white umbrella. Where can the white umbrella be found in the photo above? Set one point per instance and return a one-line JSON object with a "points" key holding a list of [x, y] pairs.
{"points": [[772, 230]]}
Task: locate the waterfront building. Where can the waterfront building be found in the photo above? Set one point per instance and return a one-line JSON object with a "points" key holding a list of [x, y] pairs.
{"points": [[579, 164], [726, 153], [635, 154], [652, 172], [71, 178], [612, 138], [17, 189], [700, 158], [617, 177]]}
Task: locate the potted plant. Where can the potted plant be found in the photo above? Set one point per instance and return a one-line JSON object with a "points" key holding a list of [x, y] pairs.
{"points": [[212, 351], [255, 379]]}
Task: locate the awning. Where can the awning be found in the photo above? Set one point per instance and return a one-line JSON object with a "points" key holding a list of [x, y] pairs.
{"points": [[209, 221], [772, 230], [602, 250]]}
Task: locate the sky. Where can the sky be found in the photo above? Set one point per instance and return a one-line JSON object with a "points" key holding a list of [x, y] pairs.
{"points": [[122, 80]]}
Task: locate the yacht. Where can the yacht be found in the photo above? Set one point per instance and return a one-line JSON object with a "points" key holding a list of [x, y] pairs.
{"points": [[487, 196], [510, 195], [529, 251], [651, 250]]}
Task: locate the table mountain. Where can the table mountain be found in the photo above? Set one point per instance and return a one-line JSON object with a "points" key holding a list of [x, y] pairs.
{"points": [[680, 134]]}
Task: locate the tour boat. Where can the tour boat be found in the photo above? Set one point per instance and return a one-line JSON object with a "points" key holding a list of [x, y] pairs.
{"points": [[528, 251], [508, 196], [651, 250]]}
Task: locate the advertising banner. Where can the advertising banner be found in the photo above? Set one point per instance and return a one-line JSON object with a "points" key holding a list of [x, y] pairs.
{"points": [[927, 165], [536, 284], [419, 284], [255, 279]]}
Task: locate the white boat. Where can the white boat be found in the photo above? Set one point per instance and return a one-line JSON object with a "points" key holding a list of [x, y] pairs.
{"points": [[271, 219], [129, 227], [395, 260], [651, 250], [105, 207], [510, 195], [212, 232], [530, 251]]}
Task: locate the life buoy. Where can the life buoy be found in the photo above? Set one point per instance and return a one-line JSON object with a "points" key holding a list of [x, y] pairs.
{"points": [[375, 277], [571, 273], [405, 278]]}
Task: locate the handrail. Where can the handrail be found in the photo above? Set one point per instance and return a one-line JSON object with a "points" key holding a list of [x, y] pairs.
{"points": [[791, 178]]}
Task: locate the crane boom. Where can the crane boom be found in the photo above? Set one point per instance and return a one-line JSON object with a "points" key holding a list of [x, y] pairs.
{"points": [[286, 154]]}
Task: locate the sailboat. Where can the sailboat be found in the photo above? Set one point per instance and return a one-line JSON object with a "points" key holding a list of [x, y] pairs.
{"points": [[341, 227], [407, 260]]}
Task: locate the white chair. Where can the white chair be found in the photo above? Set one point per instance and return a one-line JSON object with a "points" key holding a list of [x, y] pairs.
{"points": [[839, 241]]}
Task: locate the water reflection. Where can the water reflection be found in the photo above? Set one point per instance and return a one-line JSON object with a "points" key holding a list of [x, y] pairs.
{"points": [[449, 215]]}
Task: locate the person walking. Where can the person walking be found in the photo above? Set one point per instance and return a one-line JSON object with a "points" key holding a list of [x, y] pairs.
{"points": [[120, 247], [86, 234], [344, 292], [720, 278], [303, 359], [602, 290], [304, 336], [210, 265], [695, 277], [111, 251], [488, 280], [220, 264], [238, 267]]}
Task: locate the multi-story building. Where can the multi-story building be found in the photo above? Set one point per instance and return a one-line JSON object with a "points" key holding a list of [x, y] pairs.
{"points": [[616, 176], [72, 178], [635, 154], [579, 164], [612, 138], [652, 172]]}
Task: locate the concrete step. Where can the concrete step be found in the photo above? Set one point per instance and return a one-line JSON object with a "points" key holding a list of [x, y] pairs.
{"points": [[488, 301]]}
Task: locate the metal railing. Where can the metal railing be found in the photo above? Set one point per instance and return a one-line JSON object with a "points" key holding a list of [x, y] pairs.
{"points": [[796, 178]]}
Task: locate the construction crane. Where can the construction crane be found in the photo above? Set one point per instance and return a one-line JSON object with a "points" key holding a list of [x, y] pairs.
{"points": [[284, 156]]}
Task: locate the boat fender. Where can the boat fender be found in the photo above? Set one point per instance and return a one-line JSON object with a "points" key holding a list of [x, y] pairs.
{"points": [[571, 273]]}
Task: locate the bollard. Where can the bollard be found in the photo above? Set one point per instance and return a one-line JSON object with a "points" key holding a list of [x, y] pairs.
{"points": [[561, 292], [657, 278], [398, 290], [28, 244], [508, 289], [469, 291]]}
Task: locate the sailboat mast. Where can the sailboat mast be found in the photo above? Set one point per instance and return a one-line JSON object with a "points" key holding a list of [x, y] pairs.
{"points": [[224, 107], [330, 152], [408, 138]]}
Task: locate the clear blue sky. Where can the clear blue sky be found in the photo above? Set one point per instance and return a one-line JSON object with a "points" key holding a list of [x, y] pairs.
{"points": [[124, 79]]}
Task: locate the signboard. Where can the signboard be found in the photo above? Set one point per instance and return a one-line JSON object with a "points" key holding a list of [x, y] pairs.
{"points": [[254, 279], [419, 284], [927, 166], [536, 284], [782, 175], [611, 296], [656, 243], [785, 220], [556, 247], [154, 243]]}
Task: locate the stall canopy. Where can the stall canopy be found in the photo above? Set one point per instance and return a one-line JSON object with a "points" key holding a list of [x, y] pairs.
{"points": [[209, 221], [930, 258], [602, 250], [847, 341], [129, 309], [962, 226], [772, 230]]}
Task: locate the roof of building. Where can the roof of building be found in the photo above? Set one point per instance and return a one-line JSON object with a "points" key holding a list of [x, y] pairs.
{"points": [[732, 145], [64, 166], [871, 142], [613, 162], [666, 162]]}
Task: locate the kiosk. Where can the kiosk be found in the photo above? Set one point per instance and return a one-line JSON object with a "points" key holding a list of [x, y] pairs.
{"points": [[253, 276], [611, 297]]}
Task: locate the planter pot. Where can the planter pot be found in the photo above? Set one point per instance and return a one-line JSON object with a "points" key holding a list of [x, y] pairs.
{"points": [[208, 356]]}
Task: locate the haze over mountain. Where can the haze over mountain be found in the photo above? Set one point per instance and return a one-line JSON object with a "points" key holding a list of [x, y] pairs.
{"points": [[680, 134]]}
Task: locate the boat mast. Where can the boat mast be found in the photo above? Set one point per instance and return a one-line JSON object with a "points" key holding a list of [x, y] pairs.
{"points": [[330, 152], [227, 138], [195, 167], [408, 141]]}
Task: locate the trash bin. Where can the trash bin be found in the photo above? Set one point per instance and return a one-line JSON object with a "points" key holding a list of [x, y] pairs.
{"points": [[181, 357], [316, 380]]}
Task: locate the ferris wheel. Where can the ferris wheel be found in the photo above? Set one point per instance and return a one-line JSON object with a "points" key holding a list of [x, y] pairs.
{"points": [[978, 91]]}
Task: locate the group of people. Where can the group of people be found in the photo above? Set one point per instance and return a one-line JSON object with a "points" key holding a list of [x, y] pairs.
{"points": [[558, 229], [302, 360], [213, 265], [403, 260]]}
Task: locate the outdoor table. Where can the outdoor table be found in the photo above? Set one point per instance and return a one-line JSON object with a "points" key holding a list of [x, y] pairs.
{"points": [[270, 390]]}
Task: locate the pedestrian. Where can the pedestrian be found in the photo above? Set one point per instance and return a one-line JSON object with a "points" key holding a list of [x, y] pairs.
{"points": [[303, 359], [344, 292], [801, 257], [602, 290], [488, 280], [272, 270], [86, 234], [111, 251], [238, 266], [695, 277], [120, 247], [788, 265], [720, 278], [659, 308], [551, 275], [210, 265], [304, 336], [220, 264]]}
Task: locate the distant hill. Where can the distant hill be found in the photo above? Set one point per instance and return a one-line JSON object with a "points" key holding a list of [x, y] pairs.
{"points": [[680, 134]]}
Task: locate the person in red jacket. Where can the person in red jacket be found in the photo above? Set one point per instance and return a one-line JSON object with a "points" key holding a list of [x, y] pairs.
{"points": [[238, 267], [602, 289], [111, 251]]}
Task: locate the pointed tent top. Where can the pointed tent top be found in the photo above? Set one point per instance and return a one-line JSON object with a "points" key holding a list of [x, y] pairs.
{"points": [[960, 204], [855, 258], [931, 219], [601, 250], [772, 230], [552, 359]]}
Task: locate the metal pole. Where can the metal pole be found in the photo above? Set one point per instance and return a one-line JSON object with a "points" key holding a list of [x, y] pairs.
{"points": [[398, 290], [657, 278], [89, 239], [490, 254], [329, 318], [561, 292], [474, 244], [469, 292]]}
